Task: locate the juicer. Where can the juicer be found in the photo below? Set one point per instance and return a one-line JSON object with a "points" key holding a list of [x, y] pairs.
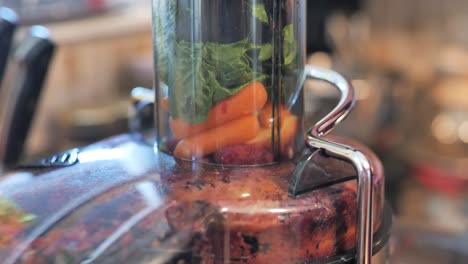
{"points": [[218, 166]]}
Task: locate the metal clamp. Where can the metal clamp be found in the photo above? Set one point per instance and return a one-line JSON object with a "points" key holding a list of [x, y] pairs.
{"points": [[315, 141]]}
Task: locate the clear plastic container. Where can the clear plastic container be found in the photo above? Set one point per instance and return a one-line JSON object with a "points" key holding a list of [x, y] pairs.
{"points": [[229, 79]]}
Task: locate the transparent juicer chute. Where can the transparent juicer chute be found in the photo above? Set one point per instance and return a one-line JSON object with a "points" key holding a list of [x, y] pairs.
{"points": [[229, 79]]}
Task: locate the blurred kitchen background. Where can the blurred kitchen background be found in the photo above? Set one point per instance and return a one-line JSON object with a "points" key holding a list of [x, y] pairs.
{"points": [[408, 60]]}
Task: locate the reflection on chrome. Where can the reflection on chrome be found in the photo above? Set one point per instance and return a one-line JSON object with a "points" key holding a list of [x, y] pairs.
{"points": [[278, 210], [100, 154]]}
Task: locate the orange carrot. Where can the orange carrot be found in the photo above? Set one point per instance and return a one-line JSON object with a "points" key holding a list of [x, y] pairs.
{"points": [[263, 138], [287, 133], [232, 133], [247, 101], [266, 115]]}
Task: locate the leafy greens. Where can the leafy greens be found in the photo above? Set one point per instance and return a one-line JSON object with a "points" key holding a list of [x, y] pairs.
{"points": [[201, 74], [205, 74], [259, 12], [289, 45]]}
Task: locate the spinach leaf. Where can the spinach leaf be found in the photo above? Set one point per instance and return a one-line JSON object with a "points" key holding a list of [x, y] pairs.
{"points": [[189, 92], [232, 63], [259, 12], [206, 73], [164, 35], [266, 51], [289, 45]]}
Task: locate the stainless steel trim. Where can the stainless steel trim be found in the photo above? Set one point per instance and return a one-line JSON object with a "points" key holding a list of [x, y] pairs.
{"points": [[314, 141], [382, 256], [345, 105]]}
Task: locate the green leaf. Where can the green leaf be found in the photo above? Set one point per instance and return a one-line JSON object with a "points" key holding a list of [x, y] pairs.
{"points": [[289, 45], [222, 93], [259, 12], [189, 92], [164, 38], [198, 75], [9, 209], [266, 52], [230, 62], [288, 34], [206, 73], [27, 218]]}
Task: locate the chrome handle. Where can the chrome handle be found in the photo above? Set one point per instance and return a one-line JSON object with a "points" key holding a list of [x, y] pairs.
{"points": [[314, 141], [346, 103]]}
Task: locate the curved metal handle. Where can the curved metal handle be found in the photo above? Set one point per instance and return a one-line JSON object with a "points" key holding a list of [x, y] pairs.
{"points": [[314, 141], [345, 105]]}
